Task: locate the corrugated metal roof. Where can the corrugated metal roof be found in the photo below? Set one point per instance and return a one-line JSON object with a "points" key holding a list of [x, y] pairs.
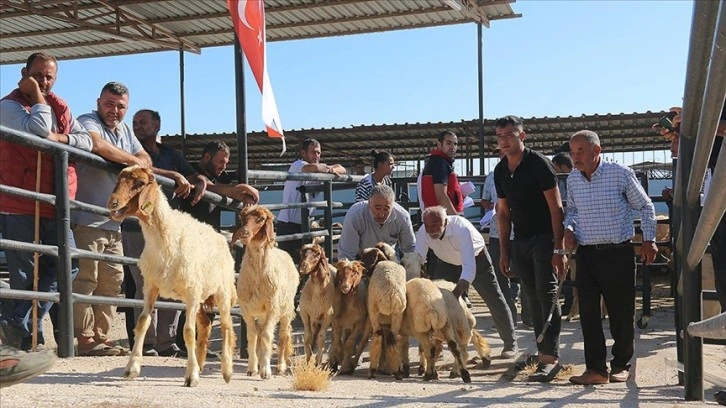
{"points": [[625, 132], [70, 29]]}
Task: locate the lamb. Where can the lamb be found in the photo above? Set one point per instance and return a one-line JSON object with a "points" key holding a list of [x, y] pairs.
{"points": [[414, 265], [266, 289], [463, 323], [351, 316], [175, 265], [427, 318], [317, 298], [386, 304]]}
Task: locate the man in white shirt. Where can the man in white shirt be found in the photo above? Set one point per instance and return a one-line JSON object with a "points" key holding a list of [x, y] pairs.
{"points": [[289, 220], [463, 258]]}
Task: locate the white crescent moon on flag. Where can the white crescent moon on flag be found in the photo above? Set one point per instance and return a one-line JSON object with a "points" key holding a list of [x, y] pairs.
{"points": [[241, 6]]}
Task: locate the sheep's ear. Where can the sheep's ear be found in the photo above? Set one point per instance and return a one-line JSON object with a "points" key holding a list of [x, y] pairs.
{"points": [[147, 198], [324, 262], [235, 237], [270, 230]]}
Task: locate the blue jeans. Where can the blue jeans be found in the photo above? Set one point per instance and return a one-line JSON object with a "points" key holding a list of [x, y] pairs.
{"points": [[533, 257], [18, 313]]}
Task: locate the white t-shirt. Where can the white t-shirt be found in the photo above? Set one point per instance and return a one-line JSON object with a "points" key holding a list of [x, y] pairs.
{"points": [[291, 194]]}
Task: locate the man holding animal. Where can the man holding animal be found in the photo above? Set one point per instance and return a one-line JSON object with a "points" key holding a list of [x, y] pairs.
{"points": [[463, 258], [600, 197], [529, 199], [289, 221], [114, 140], [33, 108], [379, 219]]}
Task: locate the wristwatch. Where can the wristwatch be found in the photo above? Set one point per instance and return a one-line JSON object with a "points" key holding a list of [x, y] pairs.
{"points": [[559, 252]]}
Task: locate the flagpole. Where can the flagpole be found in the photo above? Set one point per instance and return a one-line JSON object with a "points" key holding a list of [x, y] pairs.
{"points": [[239, 77]]}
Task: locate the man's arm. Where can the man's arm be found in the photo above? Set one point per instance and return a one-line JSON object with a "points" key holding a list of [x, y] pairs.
{"points": [[37, 122], [349, 243], [406, 237], [323, 168], [504, 222], [422, 243], [557, 217], [570, 220], [105, 149], [443, 199]]}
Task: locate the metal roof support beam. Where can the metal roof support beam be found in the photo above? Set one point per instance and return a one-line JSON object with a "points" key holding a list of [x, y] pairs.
{"points": [[64, 9], [480, 83]]}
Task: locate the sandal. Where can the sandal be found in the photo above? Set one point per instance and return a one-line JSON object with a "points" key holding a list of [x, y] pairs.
{"points": [[121, 350], [545, 372], [98, 350]]}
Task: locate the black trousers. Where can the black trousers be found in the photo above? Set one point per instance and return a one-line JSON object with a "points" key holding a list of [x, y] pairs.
{"points": [[291, 247], [607, 270]]}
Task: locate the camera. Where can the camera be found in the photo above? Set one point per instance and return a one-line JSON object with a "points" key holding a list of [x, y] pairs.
{"points": [[666, 122]]}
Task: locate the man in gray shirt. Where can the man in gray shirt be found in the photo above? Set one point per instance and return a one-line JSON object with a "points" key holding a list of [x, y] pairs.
{"points": [[97, 233], [379, 219], [34, 109]]}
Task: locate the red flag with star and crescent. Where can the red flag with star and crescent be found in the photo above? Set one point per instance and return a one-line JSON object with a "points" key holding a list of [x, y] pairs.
{"points": [[248, 17]]}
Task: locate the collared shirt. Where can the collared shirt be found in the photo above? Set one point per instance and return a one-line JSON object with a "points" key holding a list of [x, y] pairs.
{"points": [[600, 210], [41, 120], [361, 231], [96, 185], [459, 245]]}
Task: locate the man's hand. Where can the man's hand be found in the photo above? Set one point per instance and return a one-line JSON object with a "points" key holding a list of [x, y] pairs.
{"points": [[570, 241], [200, 186], [29, 87], [58, 137], [338, 170], [183, 187], [671, 135], [504, 265], [648, 251], [247, 194], [559, 265], [461, 287], [133, 160]]}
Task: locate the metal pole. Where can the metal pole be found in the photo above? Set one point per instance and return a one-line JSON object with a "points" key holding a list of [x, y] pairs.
{"points": [[64, 262], [239, 80], [480, 78], [328, 196], [181, 100]]}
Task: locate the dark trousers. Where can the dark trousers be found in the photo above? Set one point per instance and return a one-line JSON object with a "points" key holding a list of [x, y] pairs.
{"points": [[485, 283], [718, 256], [291, 247], [608, 271], [507, 287], [533, 258]]}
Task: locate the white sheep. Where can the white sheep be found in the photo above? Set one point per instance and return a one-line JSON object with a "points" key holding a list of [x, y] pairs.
{"points": [[317, 298], [463, 323], [266, 287], [386, 304], [351, 316], [183, 259], [415, 265]]}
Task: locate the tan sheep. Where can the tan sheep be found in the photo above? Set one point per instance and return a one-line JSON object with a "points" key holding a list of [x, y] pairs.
{"points": [[317, 298], [351, 316], [463, 323], [386, 304], [183, 259], [266, 289]]}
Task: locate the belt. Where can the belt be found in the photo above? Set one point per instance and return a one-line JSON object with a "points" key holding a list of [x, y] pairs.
{"points": [[607, 246]]}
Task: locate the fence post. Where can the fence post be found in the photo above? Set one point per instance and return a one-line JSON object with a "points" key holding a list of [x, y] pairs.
{"points": [[328, 196], [63, 262], [304, 214]]}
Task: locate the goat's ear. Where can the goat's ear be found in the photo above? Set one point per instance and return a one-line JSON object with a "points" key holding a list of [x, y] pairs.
{"points": [[270, 229], [358, 265], [324, 262], [147, 197], [381, 257], [235, 237]]}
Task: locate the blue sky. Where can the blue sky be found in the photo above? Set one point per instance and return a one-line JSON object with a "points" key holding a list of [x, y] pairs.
{"points": [[561, 58]]}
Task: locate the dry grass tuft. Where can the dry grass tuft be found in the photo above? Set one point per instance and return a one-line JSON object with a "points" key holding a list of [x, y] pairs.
{"points": [[306, 376], [568, 370]]}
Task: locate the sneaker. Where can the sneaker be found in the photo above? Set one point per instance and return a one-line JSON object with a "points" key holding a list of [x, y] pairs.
{"points": [[121, 350], [148, 351], [618, 375], [172, 351], [509, 353], [545, 372], [10, 335], [17, 366], [589, 377]]}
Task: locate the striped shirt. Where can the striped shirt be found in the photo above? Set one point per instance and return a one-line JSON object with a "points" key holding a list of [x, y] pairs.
{"points": [[600, 211], [365, 186]]}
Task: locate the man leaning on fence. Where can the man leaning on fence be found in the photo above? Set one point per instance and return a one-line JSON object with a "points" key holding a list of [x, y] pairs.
{"points": [[97, 233], [34, 109]]}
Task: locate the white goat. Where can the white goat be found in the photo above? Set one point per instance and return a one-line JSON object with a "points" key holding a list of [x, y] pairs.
{"points": [[183, 259], [351, 316], [317, 298], [415, 265], [386, 304], [266, 289]]}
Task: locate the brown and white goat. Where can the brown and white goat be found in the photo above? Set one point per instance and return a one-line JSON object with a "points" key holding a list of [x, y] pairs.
{"points": [[266, 288], [183, 259], [351, 316], [317, 298]]}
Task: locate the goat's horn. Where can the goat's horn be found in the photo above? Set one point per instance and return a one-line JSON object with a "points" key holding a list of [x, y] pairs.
{"points": [[713, 328]]}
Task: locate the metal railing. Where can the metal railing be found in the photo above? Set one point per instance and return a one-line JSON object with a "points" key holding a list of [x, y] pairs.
{"points": [[64, 253]]}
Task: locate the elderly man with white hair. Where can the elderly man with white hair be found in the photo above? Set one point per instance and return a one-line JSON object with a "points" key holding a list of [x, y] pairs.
{"points": [[463, 259], [378, 219]]}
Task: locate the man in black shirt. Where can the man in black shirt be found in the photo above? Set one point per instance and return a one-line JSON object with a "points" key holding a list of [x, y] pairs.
{"points": [[528, 196]]}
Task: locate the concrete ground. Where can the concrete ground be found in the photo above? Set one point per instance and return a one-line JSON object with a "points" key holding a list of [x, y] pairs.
{"points": [[98, 381]]}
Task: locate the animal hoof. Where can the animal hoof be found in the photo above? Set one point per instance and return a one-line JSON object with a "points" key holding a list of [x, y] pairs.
{"points": [[421, 371], [191, 381], [251, 373], [465, 376], [486, 363], [227, 377], [371, 373], [427, 377], [130, 375], [453, 374], [406, 371]]}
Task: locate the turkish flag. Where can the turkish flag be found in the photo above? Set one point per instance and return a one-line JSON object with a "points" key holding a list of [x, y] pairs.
{"points": [[248, 17]]}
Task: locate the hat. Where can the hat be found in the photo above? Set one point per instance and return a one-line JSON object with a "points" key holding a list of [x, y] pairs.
{"points": [[565, 148]]}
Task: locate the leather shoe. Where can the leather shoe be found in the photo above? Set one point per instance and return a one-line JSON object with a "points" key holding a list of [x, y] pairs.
{"points": [[589, 377], [172, 351]]}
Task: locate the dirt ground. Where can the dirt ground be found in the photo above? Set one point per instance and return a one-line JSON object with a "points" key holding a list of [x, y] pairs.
{"points": [[98, 381]]}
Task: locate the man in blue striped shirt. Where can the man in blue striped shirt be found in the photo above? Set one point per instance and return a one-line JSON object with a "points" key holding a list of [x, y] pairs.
{"points": [[601, 197]]}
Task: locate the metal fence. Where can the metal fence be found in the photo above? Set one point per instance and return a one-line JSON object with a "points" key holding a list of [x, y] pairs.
{"points": [[63, 205]]}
